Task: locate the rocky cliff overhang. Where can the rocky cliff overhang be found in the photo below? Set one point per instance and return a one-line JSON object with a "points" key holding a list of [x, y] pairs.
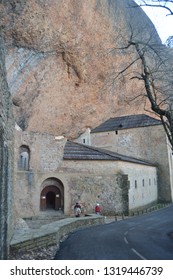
{"points": [[62, 58]]}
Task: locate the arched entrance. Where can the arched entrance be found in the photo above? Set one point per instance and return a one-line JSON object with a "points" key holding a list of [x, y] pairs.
{"points": [[50, 200], [52, 195]]}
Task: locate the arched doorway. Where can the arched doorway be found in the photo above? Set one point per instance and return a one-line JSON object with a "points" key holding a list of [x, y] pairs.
{"points": [[52, 195], [50, 200]]}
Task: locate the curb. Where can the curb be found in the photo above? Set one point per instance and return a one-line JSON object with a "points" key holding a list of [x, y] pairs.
{"points": [[52, 233]]}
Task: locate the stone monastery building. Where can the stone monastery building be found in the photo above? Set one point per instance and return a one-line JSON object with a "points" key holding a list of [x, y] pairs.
{"points": [[125, 164]]}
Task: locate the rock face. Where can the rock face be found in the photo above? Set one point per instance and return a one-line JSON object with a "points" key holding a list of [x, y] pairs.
{"points": [[6, 158], [62, 57]]}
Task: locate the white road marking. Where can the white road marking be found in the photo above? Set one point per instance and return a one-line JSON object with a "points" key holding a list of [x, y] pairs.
{"points": [[126, 241], [132, 228], [138, 254]]}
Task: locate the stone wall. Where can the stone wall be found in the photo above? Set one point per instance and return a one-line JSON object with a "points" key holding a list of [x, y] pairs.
{"points": [[101, 184], [112, 184], [45, 156], [111, 191], [6, 158], [45, 151], [87, 181], [149, 143], [52, 236]]}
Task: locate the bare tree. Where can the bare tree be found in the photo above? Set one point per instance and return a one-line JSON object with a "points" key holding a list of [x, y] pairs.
{"points": [[165, 4], [154, 62], [159, 95]]}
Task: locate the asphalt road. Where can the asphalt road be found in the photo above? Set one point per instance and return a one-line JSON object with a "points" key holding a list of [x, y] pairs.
{"points": [[142, 237]]}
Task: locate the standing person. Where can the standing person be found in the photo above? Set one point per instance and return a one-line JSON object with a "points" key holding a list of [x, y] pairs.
{"points": [[77, 209], [97, 209]]}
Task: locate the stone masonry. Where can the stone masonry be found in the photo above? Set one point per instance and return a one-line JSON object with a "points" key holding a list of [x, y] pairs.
{"points": [[149, 143], [6, 154]]}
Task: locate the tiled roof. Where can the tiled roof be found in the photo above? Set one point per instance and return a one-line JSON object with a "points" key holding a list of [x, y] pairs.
{"points": [[76, 151], [125, 122]]}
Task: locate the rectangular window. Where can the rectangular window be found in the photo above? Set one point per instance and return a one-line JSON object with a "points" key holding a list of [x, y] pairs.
{"points": [[135, 184]]}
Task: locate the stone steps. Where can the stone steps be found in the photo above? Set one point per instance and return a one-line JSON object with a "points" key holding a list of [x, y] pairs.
{"points": [[44, 217], [50, 234]]}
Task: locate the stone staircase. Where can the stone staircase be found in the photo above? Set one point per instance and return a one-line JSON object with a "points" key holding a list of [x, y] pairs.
{"points": [[44, 217], [43, 233]]}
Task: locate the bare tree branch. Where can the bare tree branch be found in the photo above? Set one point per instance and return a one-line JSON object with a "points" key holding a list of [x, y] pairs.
{"points": [[157, 4], [160, 100]]}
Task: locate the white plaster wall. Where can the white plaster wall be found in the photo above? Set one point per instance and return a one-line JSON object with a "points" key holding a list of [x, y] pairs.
{"points": [[145, 190], [84, 138], [170, 159]]}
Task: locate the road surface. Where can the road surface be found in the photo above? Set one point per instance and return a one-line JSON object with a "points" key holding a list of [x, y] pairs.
{"points": [[144, 237]]}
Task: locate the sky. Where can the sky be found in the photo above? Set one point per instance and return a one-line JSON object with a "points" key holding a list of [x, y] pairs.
{"points": [[162, 22]]}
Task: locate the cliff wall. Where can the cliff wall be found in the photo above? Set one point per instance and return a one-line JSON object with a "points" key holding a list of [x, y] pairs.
{"points": [[6, 159], [62, 57]]}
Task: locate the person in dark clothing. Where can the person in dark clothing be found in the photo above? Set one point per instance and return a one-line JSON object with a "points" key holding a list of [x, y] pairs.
{"points": [[77, 209]]}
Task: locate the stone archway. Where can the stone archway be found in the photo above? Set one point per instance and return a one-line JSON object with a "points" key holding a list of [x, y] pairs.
{"points": [[52, 195]]}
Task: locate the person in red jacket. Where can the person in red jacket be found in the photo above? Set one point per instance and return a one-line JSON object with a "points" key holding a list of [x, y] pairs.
{"points": [[97, 209]]}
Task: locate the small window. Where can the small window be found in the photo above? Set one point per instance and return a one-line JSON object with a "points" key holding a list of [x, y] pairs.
{"points": [[83, 141], [116, 132], [135, 184], [149, 182], [143, 183], [24, 156]]}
